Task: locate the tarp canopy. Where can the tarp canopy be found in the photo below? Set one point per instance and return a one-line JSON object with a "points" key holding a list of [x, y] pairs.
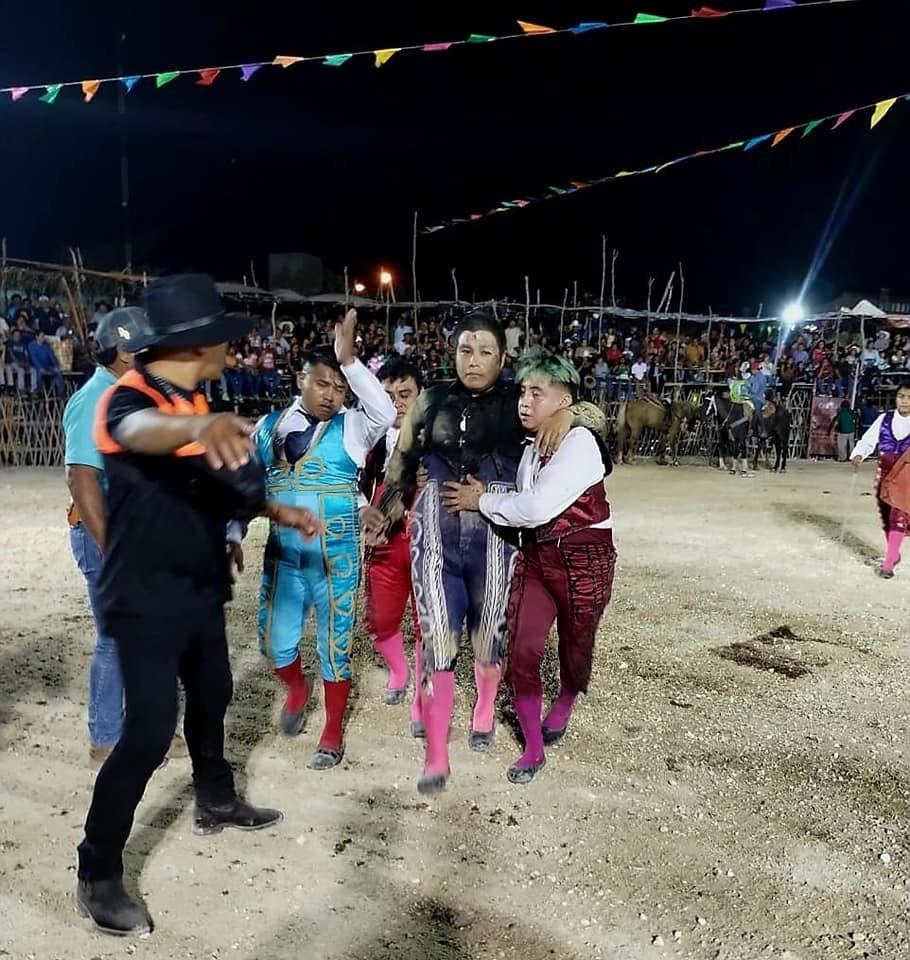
{"points": [[865, 308]]}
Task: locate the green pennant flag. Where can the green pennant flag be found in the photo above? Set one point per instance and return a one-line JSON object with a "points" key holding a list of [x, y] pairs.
{"points": [[733, 146], [810, 126], [164, 78], [480, 38], [648, 18], [51, 95], [337, 59]]}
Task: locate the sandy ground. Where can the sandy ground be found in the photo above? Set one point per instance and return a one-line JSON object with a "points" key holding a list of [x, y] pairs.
{"points": [[722, 794]]}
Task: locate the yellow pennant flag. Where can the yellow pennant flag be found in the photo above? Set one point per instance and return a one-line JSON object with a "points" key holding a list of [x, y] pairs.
{"points": [[90, 88], [534, 27], [780, 135], [383, 56], [286, 61], [881, 108]]}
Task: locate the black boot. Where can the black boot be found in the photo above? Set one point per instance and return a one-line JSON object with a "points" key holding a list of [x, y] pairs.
{"points": [[110, 908], [238, 814]]}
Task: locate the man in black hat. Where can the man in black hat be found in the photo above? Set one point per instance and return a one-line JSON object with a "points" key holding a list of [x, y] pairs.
{"points": [[176, 476]]}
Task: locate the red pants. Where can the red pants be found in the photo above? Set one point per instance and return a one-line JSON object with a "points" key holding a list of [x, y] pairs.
{"points": [[569, 581], [388, 587]]}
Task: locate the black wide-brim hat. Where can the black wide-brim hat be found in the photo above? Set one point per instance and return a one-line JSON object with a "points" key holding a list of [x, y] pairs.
{"points": [[184, 310]]}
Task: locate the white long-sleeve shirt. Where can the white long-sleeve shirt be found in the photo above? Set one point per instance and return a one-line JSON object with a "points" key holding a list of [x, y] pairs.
{"points": [[544, 492], [363, 425], [900, 426]]}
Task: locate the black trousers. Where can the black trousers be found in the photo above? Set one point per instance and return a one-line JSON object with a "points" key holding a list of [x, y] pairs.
{"points": [[154, 652]]}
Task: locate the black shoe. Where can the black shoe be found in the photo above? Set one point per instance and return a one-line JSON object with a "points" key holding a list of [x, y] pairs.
{"points": [[482, 742], [516, 774], [886, 574], [292, 724], [324, 759], [393, 697], [238, 814], [551, 736], [418, 730], [431, 784], [111, 909]]}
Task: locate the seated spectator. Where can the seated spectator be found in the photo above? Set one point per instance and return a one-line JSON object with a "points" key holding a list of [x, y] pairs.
{"points": [[62, 345], [18, 372], [46, 317], [45, 363], [252, 382], [268, 362], [15, 305]]}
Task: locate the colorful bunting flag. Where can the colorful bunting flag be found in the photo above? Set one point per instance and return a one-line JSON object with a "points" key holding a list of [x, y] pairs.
{"points": [[534, 28], [337, 59], [755, 141], [286, 61], [881, 108], [435, 47], [648, 18], [247, 70], [781, 135], [383, 56], [163, 79], [480, 38], [208, 77], [843, 118], [587, 26], [810, 126], [778, 4], [706, 12], [129, 82], [733, 146], [17, 93], [51, 93], [90, 88]]}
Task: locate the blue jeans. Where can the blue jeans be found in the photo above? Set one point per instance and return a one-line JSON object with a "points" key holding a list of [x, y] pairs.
{"points": [[105, 681]]}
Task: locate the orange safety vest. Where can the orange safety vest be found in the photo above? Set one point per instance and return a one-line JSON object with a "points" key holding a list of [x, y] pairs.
{"points": [[175, 406]]}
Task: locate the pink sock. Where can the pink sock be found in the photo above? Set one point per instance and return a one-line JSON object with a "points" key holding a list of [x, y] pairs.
{"points": [[895, 539], [417, 702], [437, 716], [527, 709], [392, 651], [561, 710], [486, 677]]}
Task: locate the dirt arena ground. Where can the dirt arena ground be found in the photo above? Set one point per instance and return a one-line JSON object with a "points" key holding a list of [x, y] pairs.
{"points": [[736, 786]]}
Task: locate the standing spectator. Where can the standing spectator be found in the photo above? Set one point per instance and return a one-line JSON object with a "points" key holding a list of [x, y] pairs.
{"points": [[45, 363], [401, 331], [268, 361], [18, 365], [845, 423], [252, 381], [513, 337], [639, 372], [869, 414], [62, 345]]}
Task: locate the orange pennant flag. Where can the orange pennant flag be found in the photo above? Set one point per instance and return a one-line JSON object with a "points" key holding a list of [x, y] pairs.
{"points": [[534, 27], [881, 108], [90, 88], [780, 135], [208, 77], [286, 61], [383, 56]]}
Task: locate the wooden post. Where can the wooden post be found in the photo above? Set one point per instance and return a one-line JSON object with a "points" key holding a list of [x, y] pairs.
{"points": [[574, 294], [648, 318], [613, 278], [3, 275], [455, 285], [414, 275], [603, 283], [562, 318], [274, 322], [708, 349], [682, 290], [527, 314], [859, 365]]}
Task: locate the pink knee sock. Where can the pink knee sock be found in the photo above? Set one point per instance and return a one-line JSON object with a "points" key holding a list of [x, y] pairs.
{"points": [[561, 710], [392, 651], [527, 709], [417, 702], [895, 539], [486, 678], [437, 715]]}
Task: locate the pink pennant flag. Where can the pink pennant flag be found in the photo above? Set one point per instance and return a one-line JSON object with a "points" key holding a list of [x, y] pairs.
{"points": [[435, 47], [17, 93], [843, 118], [90, 88], [881, 108], [781, 135]]}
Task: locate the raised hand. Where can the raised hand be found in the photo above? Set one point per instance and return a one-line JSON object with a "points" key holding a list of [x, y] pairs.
{"points": [[344, 338]]}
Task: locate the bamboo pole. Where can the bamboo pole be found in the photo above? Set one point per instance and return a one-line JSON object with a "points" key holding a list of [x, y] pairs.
{"points": [[613, 278], [603, 283], [648, 319], [455, 285], [708, 350], [3, 275], [682, 290], [347, 288], [562, 318], [859, 365], [527, 314], [414, 276], [574, 294]]}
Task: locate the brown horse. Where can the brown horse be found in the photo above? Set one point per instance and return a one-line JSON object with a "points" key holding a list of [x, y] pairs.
{"points": [[646, 413]]}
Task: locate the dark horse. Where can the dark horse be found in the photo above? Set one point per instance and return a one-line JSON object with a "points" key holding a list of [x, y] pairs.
{"points": [[734, 422]]}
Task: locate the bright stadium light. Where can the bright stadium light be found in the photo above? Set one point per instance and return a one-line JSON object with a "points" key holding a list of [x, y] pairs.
{"points": [[385, 278], [359, 287], [793, 313]]}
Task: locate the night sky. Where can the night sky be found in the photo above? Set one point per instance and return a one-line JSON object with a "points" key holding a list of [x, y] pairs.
{"points": [[335, 161]]}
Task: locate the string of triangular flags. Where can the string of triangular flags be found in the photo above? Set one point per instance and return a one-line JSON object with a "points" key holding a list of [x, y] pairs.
{"points": [[206, 76], [879, 109]]}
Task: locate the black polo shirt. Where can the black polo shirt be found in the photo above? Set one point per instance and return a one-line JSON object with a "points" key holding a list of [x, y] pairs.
{"points": [[166, 552]]}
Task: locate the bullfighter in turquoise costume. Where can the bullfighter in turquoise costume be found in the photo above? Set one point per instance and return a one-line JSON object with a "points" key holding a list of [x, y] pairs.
{"points": [[312, 452]]}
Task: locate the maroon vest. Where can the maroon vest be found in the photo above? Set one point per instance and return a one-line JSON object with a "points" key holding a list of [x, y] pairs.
{"points": [[591, 508]]}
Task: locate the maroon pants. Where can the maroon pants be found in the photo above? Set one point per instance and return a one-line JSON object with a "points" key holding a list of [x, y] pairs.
{"points": [[569, 581], [388, 587]]}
